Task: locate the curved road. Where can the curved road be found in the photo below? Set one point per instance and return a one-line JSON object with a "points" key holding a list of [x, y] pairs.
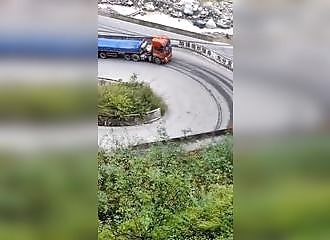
{"points": [[117, 26], [197, 91]]}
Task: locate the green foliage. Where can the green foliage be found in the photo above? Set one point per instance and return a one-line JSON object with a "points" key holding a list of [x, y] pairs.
{"points": [[38, 103], [166, 193], [124, 98], [47, 194]]}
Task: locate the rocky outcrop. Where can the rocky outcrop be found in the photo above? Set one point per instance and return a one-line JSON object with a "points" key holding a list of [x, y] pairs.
{"points": [[208, 14]]}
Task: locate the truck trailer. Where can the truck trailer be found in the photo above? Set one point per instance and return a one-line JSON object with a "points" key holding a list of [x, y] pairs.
{"points": [[151, 49]]}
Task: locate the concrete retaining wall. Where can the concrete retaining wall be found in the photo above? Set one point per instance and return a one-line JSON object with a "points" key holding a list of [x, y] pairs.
{"points": [[130, 120], [191, 142], [105, 81]]}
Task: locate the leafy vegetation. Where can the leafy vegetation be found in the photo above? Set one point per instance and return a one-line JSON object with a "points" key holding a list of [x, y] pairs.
{"points": [[166, 193], [125, 98], [46, 103]]}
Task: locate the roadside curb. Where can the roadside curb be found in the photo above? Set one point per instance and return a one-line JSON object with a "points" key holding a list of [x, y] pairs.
{"points": [[190, 142], [131, 119]]}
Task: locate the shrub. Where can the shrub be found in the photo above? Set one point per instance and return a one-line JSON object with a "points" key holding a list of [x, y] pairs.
{"points": [[125, 98], [166, 193], [44, 103]]}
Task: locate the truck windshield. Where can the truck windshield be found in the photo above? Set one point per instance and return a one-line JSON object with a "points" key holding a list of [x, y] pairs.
{"points": [[168, 47], [164, 48]]}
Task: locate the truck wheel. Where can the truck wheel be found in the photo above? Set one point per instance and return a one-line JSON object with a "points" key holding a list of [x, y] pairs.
{"points": [[103, 55], [127, 57], [157, 60], [135, 57]]}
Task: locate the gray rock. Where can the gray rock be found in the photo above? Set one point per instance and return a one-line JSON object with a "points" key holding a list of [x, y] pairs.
{"points": [[224, 23], [176, 14], [210, 23], [199, 23], [149, 6], [188, 10], [129, 3], [195, 7], [206, 13]]}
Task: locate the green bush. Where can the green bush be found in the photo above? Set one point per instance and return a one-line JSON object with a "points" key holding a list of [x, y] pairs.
{"points": [[47, 103], [125, 98], [166, 193]]}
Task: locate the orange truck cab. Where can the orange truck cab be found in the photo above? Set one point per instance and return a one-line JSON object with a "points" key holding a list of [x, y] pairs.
{"points": [[161, 49]]}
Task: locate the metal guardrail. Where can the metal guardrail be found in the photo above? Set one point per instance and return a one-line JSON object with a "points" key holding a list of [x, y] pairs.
{"points": [[211, 54]]}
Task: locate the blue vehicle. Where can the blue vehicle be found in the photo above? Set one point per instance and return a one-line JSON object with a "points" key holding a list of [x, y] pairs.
{"points": [[151, 49]]}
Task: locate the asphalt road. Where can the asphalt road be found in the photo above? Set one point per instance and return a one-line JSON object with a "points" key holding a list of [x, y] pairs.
{"points": [[197, 91], [116, 26]]}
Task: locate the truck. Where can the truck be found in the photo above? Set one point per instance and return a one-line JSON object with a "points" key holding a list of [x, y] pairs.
{"points": [[156, 49]]}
